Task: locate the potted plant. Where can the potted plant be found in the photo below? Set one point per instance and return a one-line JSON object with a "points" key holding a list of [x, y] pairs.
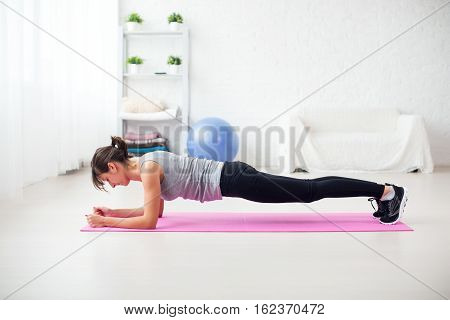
{"points": [[134, 22], [175, 20], [134, 64], [174, 63]]}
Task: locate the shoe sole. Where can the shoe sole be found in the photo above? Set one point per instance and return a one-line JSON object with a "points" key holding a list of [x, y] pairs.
{"points": [[402, 207]]}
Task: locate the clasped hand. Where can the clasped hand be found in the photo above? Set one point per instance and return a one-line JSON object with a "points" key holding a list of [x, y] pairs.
{"points": [[97, 218]]}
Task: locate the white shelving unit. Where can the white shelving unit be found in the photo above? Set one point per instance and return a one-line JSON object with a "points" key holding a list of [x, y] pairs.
{"points": [[175, 119]]}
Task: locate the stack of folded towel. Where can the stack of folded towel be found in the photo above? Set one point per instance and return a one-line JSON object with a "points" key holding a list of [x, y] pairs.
{"points": [[139, 144]]}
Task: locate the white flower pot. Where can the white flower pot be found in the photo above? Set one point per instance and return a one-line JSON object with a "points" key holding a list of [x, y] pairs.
{"points": [[134, 68], [174, 26], [133, 26], [174, 68]]}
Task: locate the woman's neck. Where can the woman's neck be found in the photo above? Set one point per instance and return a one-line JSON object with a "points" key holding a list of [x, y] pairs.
{"points": [[134, 172]]}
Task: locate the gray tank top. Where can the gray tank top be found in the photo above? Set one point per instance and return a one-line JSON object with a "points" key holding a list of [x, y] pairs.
{"points": [[187, 177]]}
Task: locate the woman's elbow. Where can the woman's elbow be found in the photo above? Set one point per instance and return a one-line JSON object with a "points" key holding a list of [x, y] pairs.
{"points": [[149, 224]]}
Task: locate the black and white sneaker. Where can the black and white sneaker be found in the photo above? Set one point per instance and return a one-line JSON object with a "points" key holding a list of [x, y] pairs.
{"points": [[382, 208], [396, 206]]}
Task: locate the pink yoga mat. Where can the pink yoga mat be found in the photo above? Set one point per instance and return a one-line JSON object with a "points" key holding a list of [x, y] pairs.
{"points": [[264, 222]]}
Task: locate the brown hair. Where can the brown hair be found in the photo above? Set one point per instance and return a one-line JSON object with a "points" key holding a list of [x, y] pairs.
{"points": [[117, 152]]}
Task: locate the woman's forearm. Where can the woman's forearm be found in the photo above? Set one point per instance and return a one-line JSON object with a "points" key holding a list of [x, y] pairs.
{"points": [[125, 213], [134, 222]]}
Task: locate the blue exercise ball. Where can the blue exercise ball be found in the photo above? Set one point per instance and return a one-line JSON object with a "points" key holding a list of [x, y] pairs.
{"points": [[212, 138]]}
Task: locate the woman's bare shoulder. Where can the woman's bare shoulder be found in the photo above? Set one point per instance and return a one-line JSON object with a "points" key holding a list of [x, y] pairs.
{"points": [[150, 168]]}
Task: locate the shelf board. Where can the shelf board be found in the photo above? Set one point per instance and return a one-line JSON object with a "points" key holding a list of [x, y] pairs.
{"points": [[153, 33], [152, 75], [168, 114]]}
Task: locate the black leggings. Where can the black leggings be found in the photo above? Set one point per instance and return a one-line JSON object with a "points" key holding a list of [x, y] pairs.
{"points": [[241, 180]]}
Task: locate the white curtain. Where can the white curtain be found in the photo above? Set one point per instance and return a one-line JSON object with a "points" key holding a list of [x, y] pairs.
{"points": [[56, 107]]}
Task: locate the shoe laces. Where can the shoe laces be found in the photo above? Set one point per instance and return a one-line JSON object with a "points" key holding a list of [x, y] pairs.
{"points": [[371, 203]]}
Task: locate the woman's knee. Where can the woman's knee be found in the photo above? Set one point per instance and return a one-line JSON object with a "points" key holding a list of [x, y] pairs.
{"points": [[310, 196]]}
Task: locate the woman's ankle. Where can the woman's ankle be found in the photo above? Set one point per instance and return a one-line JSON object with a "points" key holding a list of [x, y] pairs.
{"points": [[388, 193]]}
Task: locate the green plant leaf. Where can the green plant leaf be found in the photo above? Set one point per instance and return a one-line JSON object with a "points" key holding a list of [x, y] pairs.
{"points": [[134, 17], [174, 60], [135, 60], [175, 17]]}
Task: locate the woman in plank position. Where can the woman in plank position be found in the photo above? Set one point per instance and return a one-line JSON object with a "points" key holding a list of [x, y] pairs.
{"points": [[166, 176]]}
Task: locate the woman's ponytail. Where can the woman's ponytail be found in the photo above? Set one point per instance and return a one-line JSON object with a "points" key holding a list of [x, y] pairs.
{"points": [[119, 143]]}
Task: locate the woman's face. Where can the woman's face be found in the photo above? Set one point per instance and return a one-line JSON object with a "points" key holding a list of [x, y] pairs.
{"points": [[115, 176]]}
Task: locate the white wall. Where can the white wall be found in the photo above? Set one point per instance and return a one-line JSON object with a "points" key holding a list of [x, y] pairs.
{"points": [[250, 60]]}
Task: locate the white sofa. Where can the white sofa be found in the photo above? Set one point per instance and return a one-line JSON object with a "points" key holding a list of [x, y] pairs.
{"points": [[355, 140]]}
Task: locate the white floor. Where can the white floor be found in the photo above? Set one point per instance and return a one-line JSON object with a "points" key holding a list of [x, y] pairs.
{"points": [[43, 255]]}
